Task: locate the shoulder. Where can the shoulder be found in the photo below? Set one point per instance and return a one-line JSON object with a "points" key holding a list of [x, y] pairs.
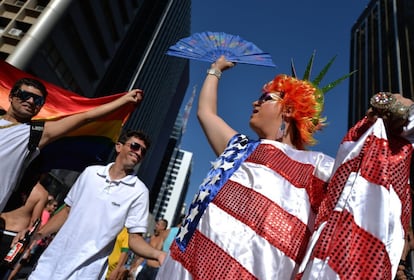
{"points": [[139, 185], [322, 157], [93, 169], [38, 193], [92, 172]]}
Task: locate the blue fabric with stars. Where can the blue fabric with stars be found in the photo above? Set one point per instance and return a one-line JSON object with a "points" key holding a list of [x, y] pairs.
{"points": [[238, 149]]}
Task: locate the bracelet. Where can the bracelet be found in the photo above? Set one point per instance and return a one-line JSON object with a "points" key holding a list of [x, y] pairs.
{"points": [[403, 263], [215, 72], [385, 102]]}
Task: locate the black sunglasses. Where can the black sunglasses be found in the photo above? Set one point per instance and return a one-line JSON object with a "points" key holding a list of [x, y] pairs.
{"points": [[25, 95], [134, 146], [269, 96]]}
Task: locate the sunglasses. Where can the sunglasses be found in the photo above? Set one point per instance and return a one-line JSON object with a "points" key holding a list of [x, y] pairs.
{"points": [[269, 96], [134, 146], [26, 95]]}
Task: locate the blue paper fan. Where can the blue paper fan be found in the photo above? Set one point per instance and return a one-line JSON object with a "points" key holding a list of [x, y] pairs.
{"points": [[209, 46]]}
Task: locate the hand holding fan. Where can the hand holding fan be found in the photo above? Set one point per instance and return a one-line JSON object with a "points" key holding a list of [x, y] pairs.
{"points": [[209, 46]]}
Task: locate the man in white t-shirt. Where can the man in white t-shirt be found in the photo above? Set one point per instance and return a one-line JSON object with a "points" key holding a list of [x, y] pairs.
{"points": [[102, 201], [27, 97]]}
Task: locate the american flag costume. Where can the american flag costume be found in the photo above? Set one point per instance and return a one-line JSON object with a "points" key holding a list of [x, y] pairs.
{"points": [[253, 215], [363, 220]]}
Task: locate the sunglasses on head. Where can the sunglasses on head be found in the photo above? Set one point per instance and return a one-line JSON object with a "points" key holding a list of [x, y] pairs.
{"points": [[268, 96], [26, 95], [134, 146]]}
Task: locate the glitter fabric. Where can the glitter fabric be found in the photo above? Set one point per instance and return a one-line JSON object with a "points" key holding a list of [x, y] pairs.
{"points": [[353, 252], [201, 256], [258, 224], [363, 220], [297, 173], [281, 229]]}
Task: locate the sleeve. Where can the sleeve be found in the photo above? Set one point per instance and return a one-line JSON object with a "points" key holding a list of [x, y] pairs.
{"points": [[137, 218], [76, 189]]}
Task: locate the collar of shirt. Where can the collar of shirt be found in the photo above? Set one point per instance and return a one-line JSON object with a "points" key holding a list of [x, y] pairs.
{"points": [[128, 180]]}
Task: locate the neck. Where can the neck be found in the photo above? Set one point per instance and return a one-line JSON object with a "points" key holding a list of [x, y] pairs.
{"points": [[117, 172], [284, 136], [287, 140], [9, 116]]}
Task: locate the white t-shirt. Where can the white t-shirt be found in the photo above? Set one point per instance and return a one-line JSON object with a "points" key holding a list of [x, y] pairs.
{"points": [[13, 150], [99, 210]]}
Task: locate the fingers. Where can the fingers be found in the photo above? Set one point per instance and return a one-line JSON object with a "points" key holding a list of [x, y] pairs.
{"points": [[19, 236], [403, 100], [395, 105], [136, 95], [371, 115], [222, 63], [137, 92]]}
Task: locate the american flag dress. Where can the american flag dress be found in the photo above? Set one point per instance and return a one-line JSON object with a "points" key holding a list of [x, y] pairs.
{"points": [[253, 215]]}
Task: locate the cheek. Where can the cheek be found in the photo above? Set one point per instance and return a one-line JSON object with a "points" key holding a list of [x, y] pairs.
{"points": [[38, 109], [271, 110]]}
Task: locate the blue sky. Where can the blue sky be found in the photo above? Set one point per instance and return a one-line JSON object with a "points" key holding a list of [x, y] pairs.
{"points": [[287, 30]]}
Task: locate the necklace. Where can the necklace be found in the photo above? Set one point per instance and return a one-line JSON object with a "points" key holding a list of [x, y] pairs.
{"points": [[7, 125]]}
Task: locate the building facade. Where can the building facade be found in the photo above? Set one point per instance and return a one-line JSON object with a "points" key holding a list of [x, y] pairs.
{"points": [[170, 199], [170, 188], [382, 52]]}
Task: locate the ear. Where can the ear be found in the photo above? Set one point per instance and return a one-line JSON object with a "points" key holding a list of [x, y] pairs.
{"points": [[288, 111], [118, 147]]}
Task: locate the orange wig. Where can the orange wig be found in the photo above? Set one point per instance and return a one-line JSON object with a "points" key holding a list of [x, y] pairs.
{"points": [[306, 102]]}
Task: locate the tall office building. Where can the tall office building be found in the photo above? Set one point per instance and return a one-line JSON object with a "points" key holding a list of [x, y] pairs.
{"points": [[170, 200], [170, 188], [97, 48], [382, 52]]}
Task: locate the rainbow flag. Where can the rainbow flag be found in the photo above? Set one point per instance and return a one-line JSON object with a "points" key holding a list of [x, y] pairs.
{"points": [[90, 144]]}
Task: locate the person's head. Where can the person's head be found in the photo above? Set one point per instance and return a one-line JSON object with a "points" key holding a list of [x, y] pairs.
{"points": [[160, 226], [131, 148], [27, 97], [290, 109], [51, 205], [295, 103]]}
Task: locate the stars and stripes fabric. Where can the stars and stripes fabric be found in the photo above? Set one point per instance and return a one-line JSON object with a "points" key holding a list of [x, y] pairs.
{"points": [[255, 222], [362, 221], [90, 144]]}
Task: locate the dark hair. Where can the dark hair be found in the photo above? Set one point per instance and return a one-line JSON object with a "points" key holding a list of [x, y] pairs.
{"points": [[29, 82], [165, 222], [125, 136]]}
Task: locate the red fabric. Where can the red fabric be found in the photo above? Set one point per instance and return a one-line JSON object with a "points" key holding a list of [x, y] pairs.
{"points": [[351, 251], [205, 253], [59, 102]]}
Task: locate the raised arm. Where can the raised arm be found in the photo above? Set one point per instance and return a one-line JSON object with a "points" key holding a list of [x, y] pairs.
{"points": [[217, 131], [55, 129]]}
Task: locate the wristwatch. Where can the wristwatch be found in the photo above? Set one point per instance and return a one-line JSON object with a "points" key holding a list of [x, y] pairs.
{"points": [[215, 72]]}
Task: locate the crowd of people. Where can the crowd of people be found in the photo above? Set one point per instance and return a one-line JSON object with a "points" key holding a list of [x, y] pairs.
{"points": [[269, 208]]}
